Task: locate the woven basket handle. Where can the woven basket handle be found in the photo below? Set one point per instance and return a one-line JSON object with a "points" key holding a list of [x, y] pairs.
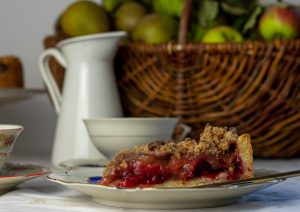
{"points": [[184, 21]]}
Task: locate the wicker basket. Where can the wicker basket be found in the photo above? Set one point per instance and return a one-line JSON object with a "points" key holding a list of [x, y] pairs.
{"points": [[253, 86]]}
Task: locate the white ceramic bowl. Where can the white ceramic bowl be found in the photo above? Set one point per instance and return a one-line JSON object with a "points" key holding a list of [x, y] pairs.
{"points": [[110, 135]]}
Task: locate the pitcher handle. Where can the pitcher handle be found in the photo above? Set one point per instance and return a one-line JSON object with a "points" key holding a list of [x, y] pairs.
{"points": [[47, 75]]}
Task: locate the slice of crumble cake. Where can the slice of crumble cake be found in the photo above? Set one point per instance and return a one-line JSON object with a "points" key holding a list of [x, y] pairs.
{"points": [[220, 155]]}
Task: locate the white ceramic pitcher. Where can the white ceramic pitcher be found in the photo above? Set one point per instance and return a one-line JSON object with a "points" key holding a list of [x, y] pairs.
{"points": [[89, 90]]}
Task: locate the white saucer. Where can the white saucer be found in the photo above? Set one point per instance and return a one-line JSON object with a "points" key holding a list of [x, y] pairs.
{"points": [[172, 198], [15, 174], [9, 95], [79, 163]]}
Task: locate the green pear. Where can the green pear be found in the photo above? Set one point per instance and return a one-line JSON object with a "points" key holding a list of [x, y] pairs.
{"points": [[222, 34], [154, 29], [84, 17], [128, 15]]}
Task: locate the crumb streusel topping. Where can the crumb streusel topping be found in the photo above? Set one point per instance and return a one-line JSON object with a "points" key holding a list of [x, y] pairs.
{"points": [[213, 141]]}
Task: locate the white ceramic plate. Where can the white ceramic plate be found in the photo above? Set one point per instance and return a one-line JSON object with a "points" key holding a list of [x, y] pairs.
{"points": [[152, 198], [15, 174]]}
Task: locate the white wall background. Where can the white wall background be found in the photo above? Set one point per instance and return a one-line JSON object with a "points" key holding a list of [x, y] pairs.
{"points": [[23, 26]]}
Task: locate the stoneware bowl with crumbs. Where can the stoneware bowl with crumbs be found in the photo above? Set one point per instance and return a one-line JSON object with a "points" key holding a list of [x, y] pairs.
{"points": [[8, 137], [110, 135]]}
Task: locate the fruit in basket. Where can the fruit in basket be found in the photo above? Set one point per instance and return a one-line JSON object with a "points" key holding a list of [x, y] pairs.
{"points": [[111, 5], [198, 30], [222, 34], [155, 28], [168, 7], [208, 16], [128, 15], [84, 17], [280, 22]]}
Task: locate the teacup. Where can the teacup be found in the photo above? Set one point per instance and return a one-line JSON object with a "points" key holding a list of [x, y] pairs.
{"points": [[8, 137]]}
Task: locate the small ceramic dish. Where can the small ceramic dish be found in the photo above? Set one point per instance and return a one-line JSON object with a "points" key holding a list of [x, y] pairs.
{"points": [[15, 174], [110, 135]]}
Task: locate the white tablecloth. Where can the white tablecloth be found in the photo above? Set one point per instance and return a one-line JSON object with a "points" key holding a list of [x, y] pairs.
{"points": [[40, 195]]}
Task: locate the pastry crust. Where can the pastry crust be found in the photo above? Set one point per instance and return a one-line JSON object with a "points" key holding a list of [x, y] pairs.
{"points": [[246, 154]]}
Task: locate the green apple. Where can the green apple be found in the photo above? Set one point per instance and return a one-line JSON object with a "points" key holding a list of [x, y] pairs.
{"points": [[198, 30], [128, 15], [84, 17], [154, 29], [222, 34], [280, 22]]}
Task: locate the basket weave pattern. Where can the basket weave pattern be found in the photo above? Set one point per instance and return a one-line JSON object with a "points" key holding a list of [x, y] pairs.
{"points": [[253, 86]]}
